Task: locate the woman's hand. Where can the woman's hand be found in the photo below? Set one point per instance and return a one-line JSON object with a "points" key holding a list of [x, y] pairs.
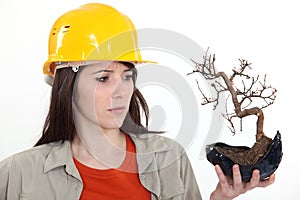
{"points": [[229, 188]]}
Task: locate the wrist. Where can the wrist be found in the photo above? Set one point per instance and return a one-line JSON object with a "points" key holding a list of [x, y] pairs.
{"points": [[215, 196]]}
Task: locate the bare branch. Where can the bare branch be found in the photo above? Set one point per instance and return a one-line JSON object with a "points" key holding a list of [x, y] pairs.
{"points": [[253, 91], [240, 71]]}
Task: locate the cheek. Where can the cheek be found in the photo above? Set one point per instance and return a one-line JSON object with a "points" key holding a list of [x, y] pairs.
{"points": [[129, 96], [101, 99], [129, 90], [127, 93], [83, 97]]}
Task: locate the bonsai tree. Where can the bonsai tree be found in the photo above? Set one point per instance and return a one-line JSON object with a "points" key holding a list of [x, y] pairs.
{"points": [[248, 95]]}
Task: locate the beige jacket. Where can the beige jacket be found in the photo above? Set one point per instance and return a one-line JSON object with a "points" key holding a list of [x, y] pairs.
{"points": [[47, 172]]}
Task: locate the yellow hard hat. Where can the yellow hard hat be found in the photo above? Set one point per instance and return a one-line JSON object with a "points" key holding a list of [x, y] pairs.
{"points": [[92, 32]]}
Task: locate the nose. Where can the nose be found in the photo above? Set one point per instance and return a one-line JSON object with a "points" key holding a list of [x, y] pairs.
{"points": [[118, 89]]}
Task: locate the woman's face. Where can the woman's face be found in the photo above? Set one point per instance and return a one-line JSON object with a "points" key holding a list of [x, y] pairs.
{"points": [[102, 94]]}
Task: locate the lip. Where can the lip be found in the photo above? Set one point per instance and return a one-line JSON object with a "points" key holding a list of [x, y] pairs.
{"points": [[118, 109]]}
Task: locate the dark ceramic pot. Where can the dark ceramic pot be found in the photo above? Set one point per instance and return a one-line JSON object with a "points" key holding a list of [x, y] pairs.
{"points": [[266, 164]]}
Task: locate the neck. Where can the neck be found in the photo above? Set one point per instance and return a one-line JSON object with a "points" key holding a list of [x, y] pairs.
{"points": [[91, 133], [97, 147], [100, 152]]}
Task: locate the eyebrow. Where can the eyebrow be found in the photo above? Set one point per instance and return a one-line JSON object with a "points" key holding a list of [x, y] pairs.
{"points": [[106, 70]]}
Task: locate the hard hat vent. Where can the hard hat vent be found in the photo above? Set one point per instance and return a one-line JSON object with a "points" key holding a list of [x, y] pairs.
{"points": [[63, 29]]}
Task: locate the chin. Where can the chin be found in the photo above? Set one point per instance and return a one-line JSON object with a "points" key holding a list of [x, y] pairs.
{"points": [[111, 125]]}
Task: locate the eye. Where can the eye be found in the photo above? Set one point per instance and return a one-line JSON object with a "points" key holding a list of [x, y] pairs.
{"points": [[127, 77], [103, 79]]}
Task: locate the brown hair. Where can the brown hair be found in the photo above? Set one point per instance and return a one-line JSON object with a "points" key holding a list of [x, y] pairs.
{"points": [[59, 123]]}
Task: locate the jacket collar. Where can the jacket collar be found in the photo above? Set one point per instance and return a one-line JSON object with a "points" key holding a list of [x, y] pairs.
{"points": [[60, 155], [147, 148], [151, 143], [147, 145]]}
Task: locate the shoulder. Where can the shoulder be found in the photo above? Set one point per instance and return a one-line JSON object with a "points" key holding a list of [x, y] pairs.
{"points": [[27, 172], [31, 156]]}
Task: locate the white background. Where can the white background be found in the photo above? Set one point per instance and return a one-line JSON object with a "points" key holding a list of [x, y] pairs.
{"points": [[264, 32]]}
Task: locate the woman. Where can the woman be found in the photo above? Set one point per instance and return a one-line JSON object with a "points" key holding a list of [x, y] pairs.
{"points": [[94, 144]]}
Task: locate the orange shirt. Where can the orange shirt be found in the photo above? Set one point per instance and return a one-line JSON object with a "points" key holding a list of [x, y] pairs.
{"points": [[113, 184]]}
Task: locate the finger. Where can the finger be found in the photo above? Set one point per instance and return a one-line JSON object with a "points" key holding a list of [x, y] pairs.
{"points": [[267, 182], [237, 179], [254, 179], [222, 179]]}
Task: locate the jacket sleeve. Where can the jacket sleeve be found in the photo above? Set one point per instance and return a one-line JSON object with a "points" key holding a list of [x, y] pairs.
{"points": [[177, 179], [5, 165], [191, 187]]}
